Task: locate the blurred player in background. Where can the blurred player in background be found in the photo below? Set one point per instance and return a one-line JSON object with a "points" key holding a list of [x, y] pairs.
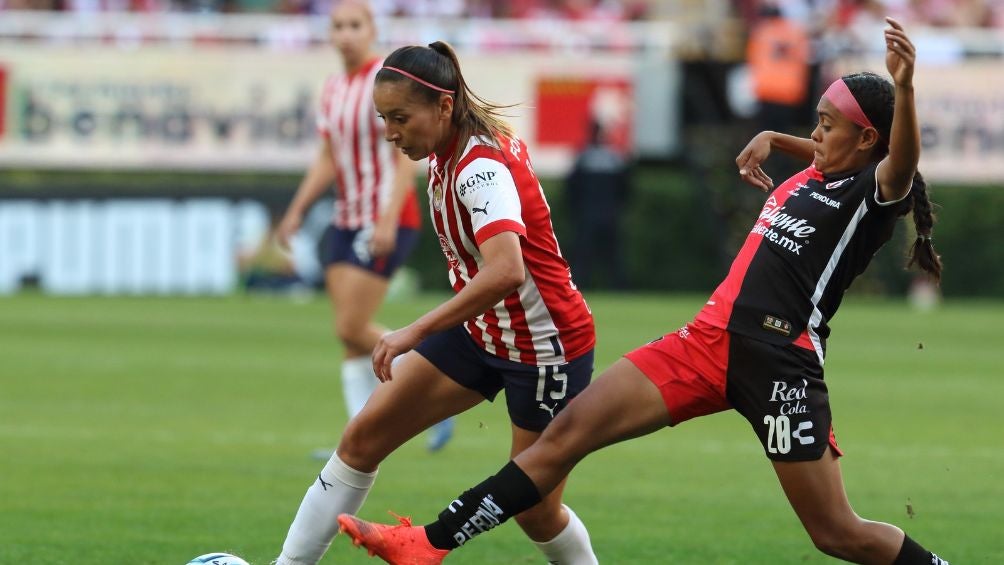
{"points": [[758, 344], [376, 221], [597, 190], [516, 323]]}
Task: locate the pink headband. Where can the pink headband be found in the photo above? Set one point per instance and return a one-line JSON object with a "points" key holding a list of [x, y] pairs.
{"points": [[418, 80], [840, 96]]}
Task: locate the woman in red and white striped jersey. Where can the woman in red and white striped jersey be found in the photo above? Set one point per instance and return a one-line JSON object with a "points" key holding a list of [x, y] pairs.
{"points": [[376, 218], [516, 323]]}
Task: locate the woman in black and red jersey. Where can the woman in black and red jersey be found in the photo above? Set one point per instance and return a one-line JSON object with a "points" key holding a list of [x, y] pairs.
{"points": [[516, 322], [758, 344]]}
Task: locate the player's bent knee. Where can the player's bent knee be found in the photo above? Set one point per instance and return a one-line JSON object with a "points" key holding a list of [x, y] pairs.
{"points": [[841, 542], [356, 447], [349, 334], [846, 549], [828, 544]]}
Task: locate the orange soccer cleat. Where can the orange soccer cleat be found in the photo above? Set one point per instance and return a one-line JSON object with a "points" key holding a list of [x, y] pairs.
{"points": [[403, 544]]}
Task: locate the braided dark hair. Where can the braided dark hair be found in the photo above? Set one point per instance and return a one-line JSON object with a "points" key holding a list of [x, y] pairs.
{"points": [[438, 64], [877, 99]]}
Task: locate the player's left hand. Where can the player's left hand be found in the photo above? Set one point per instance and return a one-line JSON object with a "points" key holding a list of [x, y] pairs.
{"points": [[750, 158], [900, 54], [384, 239], [391, 345]]}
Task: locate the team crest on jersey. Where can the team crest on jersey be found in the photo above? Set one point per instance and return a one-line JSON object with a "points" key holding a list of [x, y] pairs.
{"points": [[437, 196], [838, 183]]}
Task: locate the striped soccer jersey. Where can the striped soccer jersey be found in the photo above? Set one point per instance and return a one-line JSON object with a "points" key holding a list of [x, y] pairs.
{"points": [[814, 235], [492, 189], [364, 160]]}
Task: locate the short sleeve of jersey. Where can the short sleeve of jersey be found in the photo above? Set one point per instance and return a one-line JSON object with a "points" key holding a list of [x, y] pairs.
{"points": [[876, 199], [487, 189]]}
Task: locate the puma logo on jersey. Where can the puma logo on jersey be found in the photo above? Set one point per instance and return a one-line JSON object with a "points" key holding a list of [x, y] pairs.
{"points": [[475, 209]]}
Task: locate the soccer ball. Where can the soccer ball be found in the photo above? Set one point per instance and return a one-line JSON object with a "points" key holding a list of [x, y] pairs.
{"points": [[217, 559]]}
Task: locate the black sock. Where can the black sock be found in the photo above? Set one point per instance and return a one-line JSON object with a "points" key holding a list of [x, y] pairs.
{"points": [[913, 554], [483, 507]]}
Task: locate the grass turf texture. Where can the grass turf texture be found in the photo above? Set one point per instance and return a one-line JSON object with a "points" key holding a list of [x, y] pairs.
{"points": [[148, 430]]}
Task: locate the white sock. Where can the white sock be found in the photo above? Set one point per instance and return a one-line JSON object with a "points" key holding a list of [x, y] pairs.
{"points": [[338, 489], [571, 546], [358, 383]]}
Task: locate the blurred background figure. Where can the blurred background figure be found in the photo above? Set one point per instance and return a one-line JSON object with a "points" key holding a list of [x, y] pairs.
{"points": [[376, 218], [778, 53], [597, 191], [778, 56]]}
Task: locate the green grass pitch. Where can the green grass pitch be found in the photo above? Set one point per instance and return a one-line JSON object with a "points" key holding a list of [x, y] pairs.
{"points": [[148, 430]]}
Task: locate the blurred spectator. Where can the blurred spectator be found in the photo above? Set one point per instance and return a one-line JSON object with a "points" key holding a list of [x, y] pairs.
{"points": [[952, 13], [846, 15], [28, 5], [597, 192], [778, 55], [855, 13]]}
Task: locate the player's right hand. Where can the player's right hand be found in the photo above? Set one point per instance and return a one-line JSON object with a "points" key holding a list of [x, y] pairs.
{"points": [[287, 228], [390, 345], [750, 158]]}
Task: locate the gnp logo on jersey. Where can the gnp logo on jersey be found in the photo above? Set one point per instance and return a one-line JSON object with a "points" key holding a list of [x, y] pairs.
{"points": [[790, 397], [477, 182]]}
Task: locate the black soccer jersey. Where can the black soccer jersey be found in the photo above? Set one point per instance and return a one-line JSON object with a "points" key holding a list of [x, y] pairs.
{"points": [[814, 235]]}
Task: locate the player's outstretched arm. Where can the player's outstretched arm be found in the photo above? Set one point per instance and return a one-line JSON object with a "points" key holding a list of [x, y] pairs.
{"points": [[895, 175], [757, 150]]}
